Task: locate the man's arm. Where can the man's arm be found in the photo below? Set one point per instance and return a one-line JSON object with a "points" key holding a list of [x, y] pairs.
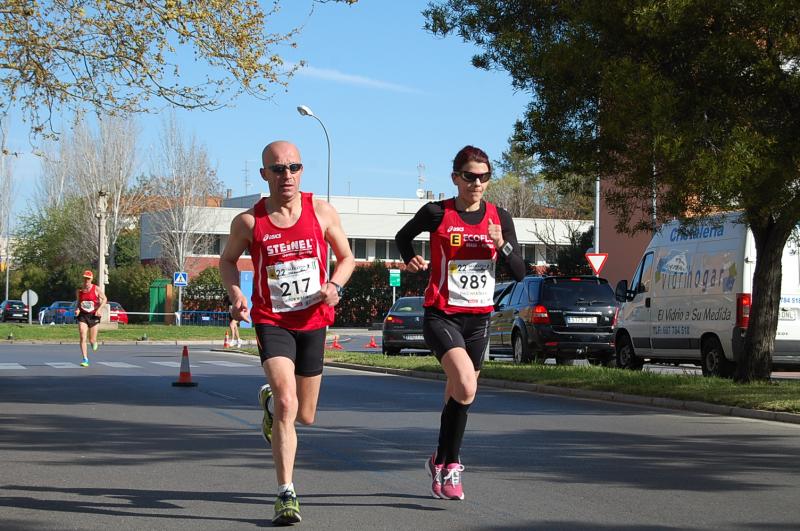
{"points": [[101, 299], [238, 240], [335, 236]]}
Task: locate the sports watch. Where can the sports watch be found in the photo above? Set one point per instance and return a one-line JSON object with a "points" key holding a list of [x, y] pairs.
{"points": [[339, 288], [506, 249]]}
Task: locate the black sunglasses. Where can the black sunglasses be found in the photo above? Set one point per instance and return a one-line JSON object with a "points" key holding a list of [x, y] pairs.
{"points": [[280, 168], [471, 177]]}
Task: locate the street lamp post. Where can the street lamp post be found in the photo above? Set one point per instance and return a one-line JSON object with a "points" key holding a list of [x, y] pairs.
{"points": [[102, 278], [305, 111]]}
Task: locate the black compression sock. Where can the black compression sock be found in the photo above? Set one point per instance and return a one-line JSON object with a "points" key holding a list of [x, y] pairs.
{"points": [[451, 431]]}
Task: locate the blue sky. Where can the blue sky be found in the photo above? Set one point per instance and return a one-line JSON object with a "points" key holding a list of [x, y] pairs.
{"points": [[391, 96]]}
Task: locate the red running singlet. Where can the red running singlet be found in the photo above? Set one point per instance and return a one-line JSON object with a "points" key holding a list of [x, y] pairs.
{"points": [[289, 265], [462, 263], [87, 300]]}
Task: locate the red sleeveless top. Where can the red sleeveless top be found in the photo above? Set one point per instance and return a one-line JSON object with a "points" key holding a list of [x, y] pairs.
{"points": [[88, 300], [462, 263], [289, 265]]}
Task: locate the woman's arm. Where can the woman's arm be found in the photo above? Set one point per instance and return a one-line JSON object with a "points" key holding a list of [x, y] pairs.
{"points": [[513, 261], [427, 219]]}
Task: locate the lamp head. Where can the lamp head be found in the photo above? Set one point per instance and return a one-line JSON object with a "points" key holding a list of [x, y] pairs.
{"points": [[304, 110]]}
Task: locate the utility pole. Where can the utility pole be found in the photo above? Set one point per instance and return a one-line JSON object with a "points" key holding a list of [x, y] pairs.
{"points": [[102, 246]]}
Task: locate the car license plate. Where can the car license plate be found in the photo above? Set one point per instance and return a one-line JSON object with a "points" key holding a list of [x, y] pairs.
{"points": [[413, 337], [787, 315], [17, 315], [571, 319]]}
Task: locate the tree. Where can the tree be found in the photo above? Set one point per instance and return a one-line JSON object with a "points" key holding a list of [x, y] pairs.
{"points": [[182, 179], [571, 259], [130, 286], [205, 291], [117, 56], [82, 164], [528, 193], [699, 101]]}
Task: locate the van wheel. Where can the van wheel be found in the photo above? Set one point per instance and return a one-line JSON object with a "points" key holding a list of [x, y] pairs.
{"points": [[522, 353], [714, 361], [626, 357], [391, 351]]}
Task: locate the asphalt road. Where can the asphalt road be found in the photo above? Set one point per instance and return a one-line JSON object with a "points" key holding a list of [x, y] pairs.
{"points": [[115, 446]]}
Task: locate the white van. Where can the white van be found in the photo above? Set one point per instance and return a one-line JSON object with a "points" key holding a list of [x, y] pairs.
{"points": [[689, 299]]}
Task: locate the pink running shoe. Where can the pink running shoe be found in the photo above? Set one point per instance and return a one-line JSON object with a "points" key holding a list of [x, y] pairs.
{"points": [[435, 472], [451, 482]]}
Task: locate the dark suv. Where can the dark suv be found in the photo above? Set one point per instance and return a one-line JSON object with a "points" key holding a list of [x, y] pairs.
{"points": [[555, 317]]}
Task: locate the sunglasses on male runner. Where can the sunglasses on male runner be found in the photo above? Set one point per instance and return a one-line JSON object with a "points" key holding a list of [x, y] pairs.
{"points": [[470, 177], [280, 168]]}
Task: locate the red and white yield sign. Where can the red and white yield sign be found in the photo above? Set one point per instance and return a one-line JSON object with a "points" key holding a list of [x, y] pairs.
{"points": [[597, 261]]}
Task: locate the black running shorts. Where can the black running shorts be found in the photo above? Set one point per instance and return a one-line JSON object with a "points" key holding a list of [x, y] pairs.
{"points": [[89, 319], [304, 347], [443, 332]]}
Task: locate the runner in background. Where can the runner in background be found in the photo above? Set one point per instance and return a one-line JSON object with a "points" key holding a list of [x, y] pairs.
{"points": [[293, 302], [90, 299], [233, 324], [467, 235]]}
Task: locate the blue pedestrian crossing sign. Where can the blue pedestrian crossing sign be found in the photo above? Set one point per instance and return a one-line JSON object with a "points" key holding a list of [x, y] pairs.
{"points": [[180, 279]]}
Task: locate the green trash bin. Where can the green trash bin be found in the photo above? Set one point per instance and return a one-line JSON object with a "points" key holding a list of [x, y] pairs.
{"points": [[158, 299]]}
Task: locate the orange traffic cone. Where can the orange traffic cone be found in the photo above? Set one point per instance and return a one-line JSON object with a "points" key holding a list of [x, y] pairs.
{"points": [[335, 344], [226, 344], [371, 343], [185, 377]]}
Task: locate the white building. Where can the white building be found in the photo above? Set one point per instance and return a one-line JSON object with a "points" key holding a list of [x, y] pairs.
{"points": [[370, 224]]}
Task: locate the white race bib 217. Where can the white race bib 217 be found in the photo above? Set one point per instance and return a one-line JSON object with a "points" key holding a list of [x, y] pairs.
{"points": [[294, 285]]}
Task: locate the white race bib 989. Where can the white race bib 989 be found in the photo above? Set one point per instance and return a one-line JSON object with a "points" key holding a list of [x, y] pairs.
{"points": [[470, 283], [294, 285], [87, 306]]}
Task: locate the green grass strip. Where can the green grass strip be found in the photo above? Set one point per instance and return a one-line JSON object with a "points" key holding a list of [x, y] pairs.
{"points": [[776, 395]]}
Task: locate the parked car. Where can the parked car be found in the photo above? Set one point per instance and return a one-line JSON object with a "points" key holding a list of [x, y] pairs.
{"points": [[69, 315], [402, 326], [117, 313], [564, 318], [13, 311], [56, 312]]}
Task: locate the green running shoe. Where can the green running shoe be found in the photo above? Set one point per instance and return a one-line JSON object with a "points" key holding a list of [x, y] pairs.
{"points": [[94, 346], [264, 396], [287, 509], [85, 362]]}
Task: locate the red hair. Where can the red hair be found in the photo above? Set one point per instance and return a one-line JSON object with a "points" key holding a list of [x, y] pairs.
{"points": [[470, 154]]}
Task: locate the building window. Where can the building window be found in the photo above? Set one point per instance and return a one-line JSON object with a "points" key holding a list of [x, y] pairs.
{"points": [[551, 254], [394, 253], [419, 248], [529, 253], [380, 249], [359, 247]]}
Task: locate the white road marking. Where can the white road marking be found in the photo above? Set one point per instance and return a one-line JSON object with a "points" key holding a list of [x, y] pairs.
{"points": [[221, 363], [167, 363], [11, 366], [63, 365], [118, 365]]}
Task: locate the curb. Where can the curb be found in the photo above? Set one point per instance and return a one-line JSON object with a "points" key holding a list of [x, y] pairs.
{"points": [[607, 396]]}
